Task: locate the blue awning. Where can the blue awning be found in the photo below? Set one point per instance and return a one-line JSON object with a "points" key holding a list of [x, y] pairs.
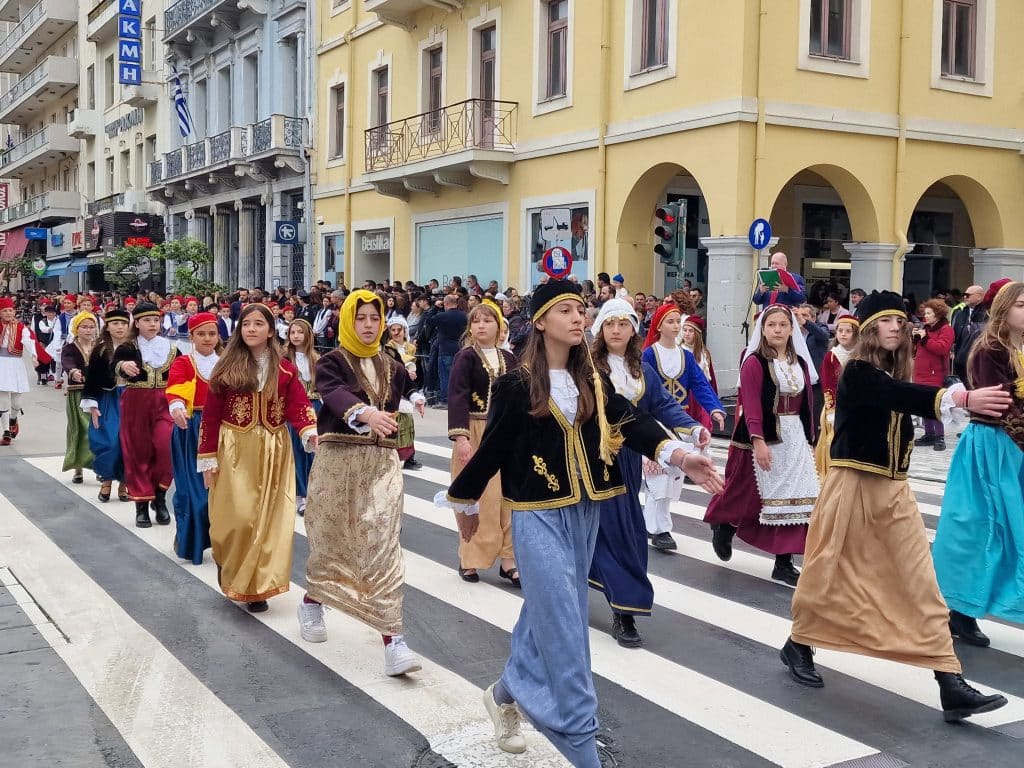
{"points": [[56, 268], [78, 265]]}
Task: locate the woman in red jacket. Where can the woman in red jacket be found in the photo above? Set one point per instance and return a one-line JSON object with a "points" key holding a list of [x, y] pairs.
{"points": [[932, 344]]}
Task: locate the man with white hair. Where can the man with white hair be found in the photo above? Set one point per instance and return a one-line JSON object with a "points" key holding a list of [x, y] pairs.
{"points": [[790, 292]]}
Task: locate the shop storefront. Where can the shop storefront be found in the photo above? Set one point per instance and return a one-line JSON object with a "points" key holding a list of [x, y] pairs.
{"points": [[461, 247]]}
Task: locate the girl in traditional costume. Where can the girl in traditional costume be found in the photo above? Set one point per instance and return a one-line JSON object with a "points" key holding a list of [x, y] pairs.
{"points": [[474, 370], [770, 480], [301, 352], [101, 399], [15, 341], [356, 493], [831, 368], [619, 567], [693, 342], [74, 359], [553, 431], [245, 455], [979, 547], [683, 379], [404, 351], [188, 386], [868, 584]]}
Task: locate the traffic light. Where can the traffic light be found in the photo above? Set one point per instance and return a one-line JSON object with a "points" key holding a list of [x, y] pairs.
{"points": [[666, 234]]}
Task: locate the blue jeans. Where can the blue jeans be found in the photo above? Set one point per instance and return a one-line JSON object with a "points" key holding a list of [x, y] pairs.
{"points": [[444, 369]]}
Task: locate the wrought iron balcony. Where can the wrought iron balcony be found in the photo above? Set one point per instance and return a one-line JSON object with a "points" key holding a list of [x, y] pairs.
{"points": [[38, 150], [43, 23], [447, 147], [183, 18], [108, 203], [44, 207], [400, 12], [52, 79]]}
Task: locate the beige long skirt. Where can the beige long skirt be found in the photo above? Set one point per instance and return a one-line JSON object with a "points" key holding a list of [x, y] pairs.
{"points": [[493, 539], [353, 522], [868, 585]]}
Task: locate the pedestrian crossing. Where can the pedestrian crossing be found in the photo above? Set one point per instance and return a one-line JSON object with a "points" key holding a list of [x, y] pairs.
{"points": [[707, 688]]}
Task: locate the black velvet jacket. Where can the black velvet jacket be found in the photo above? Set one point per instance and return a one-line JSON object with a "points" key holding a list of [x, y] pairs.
{"points": [[147, 378], [769, 400], [99, 375], [469, 390], [546, 463], [873, 429]]}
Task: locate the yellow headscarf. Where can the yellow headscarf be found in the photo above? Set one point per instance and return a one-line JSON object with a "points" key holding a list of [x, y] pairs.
{"points": [[80, 318], [347, 336]]}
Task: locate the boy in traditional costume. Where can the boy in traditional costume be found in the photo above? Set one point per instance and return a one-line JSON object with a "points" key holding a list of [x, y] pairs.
{"points": [[15, 341], [101, 399]]}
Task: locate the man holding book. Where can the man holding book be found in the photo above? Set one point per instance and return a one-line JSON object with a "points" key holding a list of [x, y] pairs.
{"points": [[777, 285]]}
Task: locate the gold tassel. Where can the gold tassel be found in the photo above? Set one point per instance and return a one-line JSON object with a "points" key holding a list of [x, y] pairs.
{"points": [[611, 435]]}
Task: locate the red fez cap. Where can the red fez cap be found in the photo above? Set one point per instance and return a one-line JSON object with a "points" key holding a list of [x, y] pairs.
{"points": [[200, 319]]}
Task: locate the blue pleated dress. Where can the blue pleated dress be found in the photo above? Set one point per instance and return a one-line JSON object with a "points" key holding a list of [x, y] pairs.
{"points": [[105, 441], [191, 504], [303, 460]]}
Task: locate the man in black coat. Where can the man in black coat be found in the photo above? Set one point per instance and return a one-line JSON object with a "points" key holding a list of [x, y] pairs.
{"points": [[449, 325]]}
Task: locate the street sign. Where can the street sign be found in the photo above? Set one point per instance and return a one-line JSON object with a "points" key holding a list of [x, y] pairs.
{"points": [[36, 233], [557, 262], [555, 226], [760, 234], [129, 42], [286, 232]]}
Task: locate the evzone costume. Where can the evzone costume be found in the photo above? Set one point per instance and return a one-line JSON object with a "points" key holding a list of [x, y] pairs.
{"points": [[770, 509], [556, 472], [146, 425], [356, 493], [188, 387], [684, 380], [16, 340], [74, 363], [707, 367], [831, 369], [474, 371], [62, 333], [619, 566], [103, 390], [244, 436], [868, 585], [303, 458], [979, 547]]}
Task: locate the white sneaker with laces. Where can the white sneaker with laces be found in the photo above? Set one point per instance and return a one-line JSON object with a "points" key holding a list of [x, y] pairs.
{"points": [[398, 659], [507, 722], [311, 622]]}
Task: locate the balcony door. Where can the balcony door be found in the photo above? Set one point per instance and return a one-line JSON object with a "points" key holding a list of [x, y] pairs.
{"points": [[485, 122]]}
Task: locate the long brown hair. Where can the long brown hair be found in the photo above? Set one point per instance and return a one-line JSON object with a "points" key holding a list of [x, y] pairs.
{"points": [[899, 363], [997, 333], [307, 348], [238, 369], [534, 371], [698, 343], [633, 355], [764, 349]]}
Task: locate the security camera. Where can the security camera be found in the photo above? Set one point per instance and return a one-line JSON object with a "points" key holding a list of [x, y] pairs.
{"points": [[320, 220]]}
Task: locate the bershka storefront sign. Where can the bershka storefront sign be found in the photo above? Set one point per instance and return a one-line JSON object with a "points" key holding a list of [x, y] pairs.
{"points": [[376, 242], [125, 123]]}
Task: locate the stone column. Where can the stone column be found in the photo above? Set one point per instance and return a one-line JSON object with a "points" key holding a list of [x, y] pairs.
{"points": [[990, 264], [198, 229], [221, 245], [871, 265], [247, 245], [278, 256], [287, 93], [730, 285]]}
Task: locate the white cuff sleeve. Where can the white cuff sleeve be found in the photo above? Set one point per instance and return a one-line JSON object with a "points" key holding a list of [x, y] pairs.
{"points": [[87, 405], [695, 436], [416, 398], [665, 456], [305, 440], [177, 405], [204, 464], [946, 404], [358, 426], [441, 501]]}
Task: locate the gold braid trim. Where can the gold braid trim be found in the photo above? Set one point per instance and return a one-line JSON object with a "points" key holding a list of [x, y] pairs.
{"points": [[611, 435]]}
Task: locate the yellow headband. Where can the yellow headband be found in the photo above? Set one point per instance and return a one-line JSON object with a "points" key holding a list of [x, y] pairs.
{"points": [[567, 296], [347, 335], [883, 313]]}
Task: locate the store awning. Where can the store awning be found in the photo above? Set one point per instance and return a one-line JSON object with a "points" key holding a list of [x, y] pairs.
{"points": [[56, 268], [15, 246], [78, 265]]}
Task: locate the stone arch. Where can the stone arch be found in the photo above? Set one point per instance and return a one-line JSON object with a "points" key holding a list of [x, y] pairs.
{"points": [[981, 205], [644, 196], [860, 208]]}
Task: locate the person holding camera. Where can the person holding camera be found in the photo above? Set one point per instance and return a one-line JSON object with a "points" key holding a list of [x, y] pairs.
{"points": [[933, 340]]}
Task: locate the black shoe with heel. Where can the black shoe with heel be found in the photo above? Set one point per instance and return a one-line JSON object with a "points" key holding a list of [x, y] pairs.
{"points": [[966, 628], [512, 574], [960, 700], [784, 570], [163, 517], [472, 578], [721, 540], [142, 515], [800, 660], [104, 494]]}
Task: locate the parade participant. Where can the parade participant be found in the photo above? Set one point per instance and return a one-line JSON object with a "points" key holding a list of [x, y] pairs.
{"points": [[188, 385], [74, 362], [284, 322], [47, 330], [129, 305], [475, 368], [682, 377], [173, 318], [831, 368], [770, 480], [693, 342], [254, 394], [143, 362], [979, 546], [225, 323], [354, 512], [301, 352], [553, 431], [15, 341], [868, 584], [101, 398], [68, 307], [619, 567], [404, 350]]}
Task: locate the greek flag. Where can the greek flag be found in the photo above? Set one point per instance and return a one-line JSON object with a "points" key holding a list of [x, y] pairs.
{"points": [[181, 106]]}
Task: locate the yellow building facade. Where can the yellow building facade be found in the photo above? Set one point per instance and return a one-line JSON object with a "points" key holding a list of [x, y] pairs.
{"points": [[882, 140]]}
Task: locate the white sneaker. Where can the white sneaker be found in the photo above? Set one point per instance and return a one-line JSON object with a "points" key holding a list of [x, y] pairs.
{"points": [[300, 505], [311, 622], [506, 721], [398, 659]]}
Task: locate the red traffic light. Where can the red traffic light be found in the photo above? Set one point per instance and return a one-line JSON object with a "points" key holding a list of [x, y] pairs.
{"points": [[666, 215]]}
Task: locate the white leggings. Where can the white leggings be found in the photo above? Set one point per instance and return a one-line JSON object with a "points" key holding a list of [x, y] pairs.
{"points": [[657, 515], [10, 408]]}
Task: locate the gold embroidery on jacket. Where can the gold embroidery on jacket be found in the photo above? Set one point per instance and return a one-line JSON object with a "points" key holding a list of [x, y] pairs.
{"points": [[241, 410], [479, 402], [541, 468]]}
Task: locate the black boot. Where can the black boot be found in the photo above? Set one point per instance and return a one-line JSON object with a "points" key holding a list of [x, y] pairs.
{"points": [[925, 440], [624, 631], [966, 628], [784, 570], [663, 541], [163, 517], [721, 540], [800, 660], [960, 700], [142, 515], [939, 444]]}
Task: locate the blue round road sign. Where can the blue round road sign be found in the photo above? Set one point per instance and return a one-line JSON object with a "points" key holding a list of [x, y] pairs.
{"points": [[557, 262], [760, 234]]}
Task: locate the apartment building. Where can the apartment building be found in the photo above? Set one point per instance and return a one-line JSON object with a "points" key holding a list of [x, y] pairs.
{"points": [[236, 170], [882, 140]]}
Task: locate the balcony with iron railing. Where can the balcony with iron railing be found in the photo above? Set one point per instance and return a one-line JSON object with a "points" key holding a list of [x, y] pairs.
{"points": [[446, 147], [400, 12], [38, 150], [32, 36], [109, 203], [27, 98], [184, 16], [41, 208]]}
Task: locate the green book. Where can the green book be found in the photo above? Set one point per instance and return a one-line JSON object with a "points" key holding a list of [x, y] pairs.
{"points": [[770, 278]]}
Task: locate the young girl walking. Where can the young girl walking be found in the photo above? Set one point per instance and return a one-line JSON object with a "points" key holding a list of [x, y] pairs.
{"points": [[254, 394], [354, 512], [868, 584], [474, 370], [554, 429], [693, 342], [835, 360], [188, 385], [404, 351], [74, 360], [301, 352], [979, 547], [101, 399]]}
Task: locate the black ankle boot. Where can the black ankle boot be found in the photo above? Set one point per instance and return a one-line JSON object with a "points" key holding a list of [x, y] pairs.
{"points": [[960, 700], [784, 570], [721, 540], [163, 517], [800, 660], [966, 628], [624, 631], [142, 515], [925, 440]]}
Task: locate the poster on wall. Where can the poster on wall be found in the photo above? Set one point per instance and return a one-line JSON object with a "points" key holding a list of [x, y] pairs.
{"points": [[334, 256], [578, 242]]}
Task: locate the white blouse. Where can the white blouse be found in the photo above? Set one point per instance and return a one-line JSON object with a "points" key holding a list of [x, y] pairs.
{"points": [[790, 377], [625, 384], [669, 358], [564, 393]]}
